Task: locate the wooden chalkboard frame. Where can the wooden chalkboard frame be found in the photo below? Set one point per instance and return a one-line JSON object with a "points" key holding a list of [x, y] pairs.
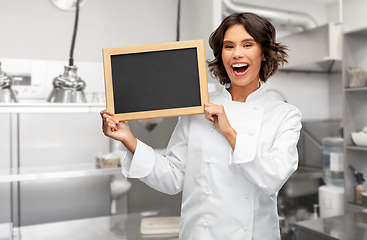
{"points": [[160, 113]]}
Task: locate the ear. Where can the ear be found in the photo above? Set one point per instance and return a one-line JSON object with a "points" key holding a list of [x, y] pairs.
{"points": [[263, 58]]}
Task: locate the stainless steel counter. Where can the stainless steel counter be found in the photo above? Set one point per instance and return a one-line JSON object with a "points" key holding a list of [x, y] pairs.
{"points": [[344, 227], [118, 227]]}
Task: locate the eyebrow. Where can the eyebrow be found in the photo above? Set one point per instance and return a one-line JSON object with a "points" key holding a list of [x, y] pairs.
{"points": [[244, 40]]}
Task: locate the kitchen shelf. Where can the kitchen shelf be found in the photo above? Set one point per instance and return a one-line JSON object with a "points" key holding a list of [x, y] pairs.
{"points": [[357, 148], [356, 89], [357, 207], [46, 107], [355, 112], [357, 32], [321, 55], [54, 172]]}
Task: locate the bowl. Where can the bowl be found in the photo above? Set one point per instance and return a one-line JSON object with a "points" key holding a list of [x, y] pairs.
{"points": [[359, 138]]}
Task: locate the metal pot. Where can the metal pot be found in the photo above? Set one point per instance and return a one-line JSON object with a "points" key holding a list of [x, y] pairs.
{"points": [[68, 88], [6, 92]]}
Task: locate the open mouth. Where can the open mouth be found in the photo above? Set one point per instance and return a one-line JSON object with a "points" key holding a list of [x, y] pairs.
{"points": [[239, 68]]}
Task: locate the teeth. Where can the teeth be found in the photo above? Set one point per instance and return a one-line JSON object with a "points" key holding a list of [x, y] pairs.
{"points": [[239, 65]]}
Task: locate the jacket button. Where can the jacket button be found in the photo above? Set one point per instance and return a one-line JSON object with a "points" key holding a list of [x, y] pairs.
{"points": [[245, 196], [245, 228], [205, 224], [256, 108], [212, 129], [251, 133]]}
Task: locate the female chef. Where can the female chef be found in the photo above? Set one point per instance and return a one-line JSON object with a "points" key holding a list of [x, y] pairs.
{"points": [[230, 163]]}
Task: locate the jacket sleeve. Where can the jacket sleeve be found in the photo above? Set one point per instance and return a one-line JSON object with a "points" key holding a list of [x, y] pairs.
{"points": [[270, 169], [163, 173]]}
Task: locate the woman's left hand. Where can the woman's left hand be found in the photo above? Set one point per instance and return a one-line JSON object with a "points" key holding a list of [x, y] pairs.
{"points": [[216, 114]]}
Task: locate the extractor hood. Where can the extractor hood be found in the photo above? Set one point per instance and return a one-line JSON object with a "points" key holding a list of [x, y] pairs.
{"points": [[315, 50]]}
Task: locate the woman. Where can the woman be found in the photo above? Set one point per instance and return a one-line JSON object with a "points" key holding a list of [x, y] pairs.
{"points": [[230, 163]]}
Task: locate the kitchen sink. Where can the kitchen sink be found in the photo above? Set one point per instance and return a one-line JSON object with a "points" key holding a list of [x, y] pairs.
{"points": [[304, 181]]}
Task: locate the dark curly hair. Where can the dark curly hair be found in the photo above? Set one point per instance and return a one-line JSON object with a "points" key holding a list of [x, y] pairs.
{"points": [[262, 31]]}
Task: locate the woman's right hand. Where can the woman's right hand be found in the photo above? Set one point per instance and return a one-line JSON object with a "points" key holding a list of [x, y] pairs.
{"points": [[117, 130]]}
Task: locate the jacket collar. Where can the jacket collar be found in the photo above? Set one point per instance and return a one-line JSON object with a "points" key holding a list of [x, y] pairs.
{"points": [[251, 98]]}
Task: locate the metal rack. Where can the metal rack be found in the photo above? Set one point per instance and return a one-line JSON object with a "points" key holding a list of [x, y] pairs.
{"points": [[43, 173], [14, 173], [355, 113]]}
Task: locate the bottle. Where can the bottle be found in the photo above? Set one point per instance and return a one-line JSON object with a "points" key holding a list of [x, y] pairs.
{"points": [[314, 214], [333, 161], [360, 188]]}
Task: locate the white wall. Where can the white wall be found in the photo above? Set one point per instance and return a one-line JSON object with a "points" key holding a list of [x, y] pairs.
{"points": [[335, 96], [354, 13], [39, 31], [318, 11], [308, 92]]}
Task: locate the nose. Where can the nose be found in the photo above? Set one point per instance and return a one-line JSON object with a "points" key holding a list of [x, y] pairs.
{"points": [[238, 53]]}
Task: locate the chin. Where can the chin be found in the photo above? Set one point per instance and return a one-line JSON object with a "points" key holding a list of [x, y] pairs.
{"points": [[242, 83]]}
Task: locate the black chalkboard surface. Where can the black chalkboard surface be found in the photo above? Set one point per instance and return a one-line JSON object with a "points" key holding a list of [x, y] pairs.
{"points": [[156, 80]]}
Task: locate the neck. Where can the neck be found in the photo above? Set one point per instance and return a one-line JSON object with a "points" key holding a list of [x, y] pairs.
{"points": [[240, 93]]}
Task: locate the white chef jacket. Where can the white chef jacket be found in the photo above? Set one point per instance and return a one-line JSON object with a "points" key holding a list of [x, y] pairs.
{"points": [[227, 194]]}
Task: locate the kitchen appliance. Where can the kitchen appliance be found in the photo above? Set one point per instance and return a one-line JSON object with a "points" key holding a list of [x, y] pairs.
{"points": [[6, 91]]}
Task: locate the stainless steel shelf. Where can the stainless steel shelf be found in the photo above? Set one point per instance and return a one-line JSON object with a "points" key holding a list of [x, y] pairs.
{"points": [[46, 107], [356, 207], [53, 172], [356, 89], [356, 32], [358, 148]]}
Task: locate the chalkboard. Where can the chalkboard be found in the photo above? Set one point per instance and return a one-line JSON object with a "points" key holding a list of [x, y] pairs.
{"points": [[156, 80]]}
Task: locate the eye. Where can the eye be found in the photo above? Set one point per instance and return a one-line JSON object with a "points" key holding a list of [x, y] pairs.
{"points": [[228, 46], [248, 45]]}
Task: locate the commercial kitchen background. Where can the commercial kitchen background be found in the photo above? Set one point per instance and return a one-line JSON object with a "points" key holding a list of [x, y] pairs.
{"points": [[35, 41]]}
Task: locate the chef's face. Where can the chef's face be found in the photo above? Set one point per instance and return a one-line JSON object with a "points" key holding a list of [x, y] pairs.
{"points": [[241, 56]]}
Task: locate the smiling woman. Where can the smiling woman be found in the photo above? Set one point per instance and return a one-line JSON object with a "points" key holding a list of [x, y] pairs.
{"points": [[230, 162]]}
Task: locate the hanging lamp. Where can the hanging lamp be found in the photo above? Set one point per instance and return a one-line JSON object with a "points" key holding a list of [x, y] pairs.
{"points": [[6, 91], [68, 87]]}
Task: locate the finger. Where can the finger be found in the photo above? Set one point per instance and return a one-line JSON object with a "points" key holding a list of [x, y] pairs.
{"points": [[106, 116], [107, 126], [106, 111], [215, 109], [209, 116], [112, 127], [103, 112], [208, 104]]}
